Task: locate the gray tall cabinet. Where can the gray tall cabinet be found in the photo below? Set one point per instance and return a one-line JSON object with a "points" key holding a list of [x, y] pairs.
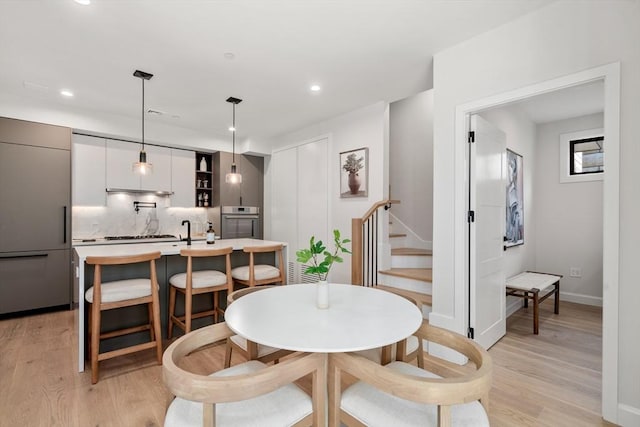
{"points": [[35, 215]]}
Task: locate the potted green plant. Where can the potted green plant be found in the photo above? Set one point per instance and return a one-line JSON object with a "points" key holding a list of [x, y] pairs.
{"points": [[352, 165], [321, 260]]}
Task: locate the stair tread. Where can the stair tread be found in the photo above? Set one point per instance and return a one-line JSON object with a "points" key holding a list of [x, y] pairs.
{"points": [[424, 299], [422, 274], [411, 251], [397, 235]]}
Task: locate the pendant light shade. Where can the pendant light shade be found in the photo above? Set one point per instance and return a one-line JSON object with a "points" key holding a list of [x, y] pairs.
{"points": [[142, 167], [233, 177]]}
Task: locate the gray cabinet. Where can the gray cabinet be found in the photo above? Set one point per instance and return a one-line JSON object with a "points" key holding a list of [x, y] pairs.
{"points": [[35, 215], [250, 192], [34, 279]]}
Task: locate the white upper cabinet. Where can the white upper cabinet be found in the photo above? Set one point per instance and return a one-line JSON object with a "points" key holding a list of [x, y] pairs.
{"points": [[183, 178], [120, 159], [160, 179], [88, 159]]}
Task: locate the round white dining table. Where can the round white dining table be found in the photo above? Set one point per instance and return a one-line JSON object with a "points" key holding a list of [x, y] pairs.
{"points": [[358, 318]]}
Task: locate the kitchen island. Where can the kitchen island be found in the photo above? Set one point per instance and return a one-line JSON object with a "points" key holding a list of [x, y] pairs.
{"points": [[170, 264]]}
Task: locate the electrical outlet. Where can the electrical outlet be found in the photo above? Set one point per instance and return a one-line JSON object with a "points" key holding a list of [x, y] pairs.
{"points": [[575, 272]]}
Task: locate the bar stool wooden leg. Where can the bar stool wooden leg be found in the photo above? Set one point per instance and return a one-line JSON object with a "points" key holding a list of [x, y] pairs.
{"points": [[95, 341], [188, 303], [216, 305], [172, 310]]}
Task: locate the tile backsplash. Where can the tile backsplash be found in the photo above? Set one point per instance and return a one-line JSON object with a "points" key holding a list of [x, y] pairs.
{"points": [[119, 218]]}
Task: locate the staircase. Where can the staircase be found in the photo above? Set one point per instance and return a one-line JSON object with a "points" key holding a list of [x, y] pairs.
{"points": [[410, 266]]}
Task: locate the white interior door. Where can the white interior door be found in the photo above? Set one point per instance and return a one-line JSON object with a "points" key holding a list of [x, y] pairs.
{"points": [[300, 195], [487, 156]]}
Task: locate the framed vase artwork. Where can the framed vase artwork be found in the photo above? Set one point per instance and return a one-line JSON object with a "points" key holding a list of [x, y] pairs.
{"points": [[515, 201], [354, 171]]}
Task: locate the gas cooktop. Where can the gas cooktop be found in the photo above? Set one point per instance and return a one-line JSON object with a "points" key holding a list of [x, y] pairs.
{"points": [[144, 236]]}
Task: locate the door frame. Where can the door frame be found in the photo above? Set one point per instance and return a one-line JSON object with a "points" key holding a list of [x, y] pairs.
{"points": [[610, 75]]}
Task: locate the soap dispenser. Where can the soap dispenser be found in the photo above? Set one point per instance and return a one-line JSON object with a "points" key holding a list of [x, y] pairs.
{"points": [[211, 235]]}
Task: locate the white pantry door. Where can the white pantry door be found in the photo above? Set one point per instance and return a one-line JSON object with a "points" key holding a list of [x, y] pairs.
{"points": [[487, 200]]}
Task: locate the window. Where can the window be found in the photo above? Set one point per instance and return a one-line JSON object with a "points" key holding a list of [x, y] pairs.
{"points": [[582, 156], [586, 155]]}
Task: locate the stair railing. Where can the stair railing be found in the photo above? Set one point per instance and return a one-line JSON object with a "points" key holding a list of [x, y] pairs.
{"points": [[364, 246]]}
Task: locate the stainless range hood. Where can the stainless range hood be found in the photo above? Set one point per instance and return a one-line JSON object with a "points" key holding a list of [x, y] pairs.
{"points": [[132, 191]]}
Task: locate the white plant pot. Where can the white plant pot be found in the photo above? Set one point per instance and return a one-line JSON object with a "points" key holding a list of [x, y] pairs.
{"points": [[322, 297]]}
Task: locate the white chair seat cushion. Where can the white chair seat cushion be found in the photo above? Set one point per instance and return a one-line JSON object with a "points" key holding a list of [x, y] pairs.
{"points": [[121, 290], [282, 407], [262, 272], [263, 350], [200, 279], [376, 408]]}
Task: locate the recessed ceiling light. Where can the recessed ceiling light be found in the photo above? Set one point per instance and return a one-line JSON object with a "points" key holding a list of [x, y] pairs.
{"points": [[83, 2], [229, 55], [66, 93], [315, 88]]}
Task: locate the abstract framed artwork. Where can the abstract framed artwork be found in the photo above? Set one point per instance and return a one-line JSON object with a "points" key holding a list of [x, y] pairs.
{"points": [[515, 201], [354, 173]]}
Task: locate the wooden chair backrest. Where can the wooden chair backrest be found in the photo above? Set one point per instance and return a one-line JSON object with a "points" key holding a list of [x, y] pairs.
{"points": [[99, 261], [212, 390], [204, 253], [263, 249], [232, 296], [443, 392]]}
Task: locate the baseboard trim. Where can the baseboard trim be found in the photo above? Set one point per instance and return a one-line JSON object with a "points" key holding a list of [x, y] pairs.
{"points": [[513, 306], [581, 299], [628, 415]]}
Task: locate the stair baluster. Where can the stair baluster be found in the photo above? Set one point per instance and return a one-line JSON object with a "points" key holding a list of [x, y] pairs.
{"points": [[364, 236]]}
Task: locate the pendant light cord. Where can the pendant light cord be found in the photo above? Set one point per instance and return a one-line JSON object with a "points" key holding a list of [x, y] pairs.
{"points": [[234, 134], [142, 114]]}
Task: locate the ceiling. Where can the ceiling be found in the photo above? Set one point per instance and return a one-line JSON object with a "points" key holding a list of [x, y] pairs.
{"points": [[575, 101], [359, 51]]}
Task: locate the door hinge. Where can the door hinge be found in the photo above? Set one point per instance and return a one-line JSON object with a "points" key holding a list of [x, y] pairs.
{"points": [[470, 333], [472, 137], [471, 216]]}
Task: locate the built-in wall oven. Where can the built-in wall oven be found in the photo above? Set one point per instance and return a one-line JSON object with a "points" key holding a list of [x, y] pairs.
{"points": [[240, 222]]}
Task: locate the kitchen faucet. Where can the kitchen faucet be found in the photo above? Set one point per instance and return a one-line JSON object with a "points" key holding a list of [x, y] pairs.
{"points": [[186, 221]]}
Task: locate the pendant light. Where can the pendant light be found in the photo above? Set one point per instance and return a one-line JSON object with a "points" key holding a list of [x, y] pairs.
{"points": [[142, 167], [233, 177]]}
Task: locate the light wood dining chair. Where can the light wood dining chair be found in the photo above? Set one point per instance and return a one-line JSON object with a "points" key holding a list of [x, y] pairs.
{"points": [[199, 282], [104, 296], [401, 394], [260, 274], [251, 393], [249, 349]]}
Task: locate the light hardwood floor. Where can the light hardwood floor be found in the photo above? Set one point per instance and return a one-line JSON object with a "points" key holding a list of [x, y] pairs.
{"points": [[552, 379]]}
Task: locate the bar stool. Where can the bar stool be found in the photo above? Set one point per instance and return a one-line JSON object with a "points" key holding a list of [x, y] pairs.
{"points": [[104, 296], [196, 283], [260, 274]]}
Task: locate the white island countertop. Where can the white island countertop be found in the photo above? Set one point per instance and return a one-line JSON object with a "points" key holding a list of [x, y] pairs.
{"points": [[165, 248]]}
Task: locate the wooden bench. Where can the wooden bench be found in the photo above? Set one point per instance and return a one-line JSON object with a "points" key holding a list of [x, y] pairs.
{"points": [[530, 286]]}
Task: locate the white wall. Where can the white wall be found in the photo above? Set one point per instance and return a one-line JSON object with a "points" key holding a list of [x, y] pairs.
{"points": [[563, 38], [570, 217], [521, 138], [366, 127], [411, 162]]}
